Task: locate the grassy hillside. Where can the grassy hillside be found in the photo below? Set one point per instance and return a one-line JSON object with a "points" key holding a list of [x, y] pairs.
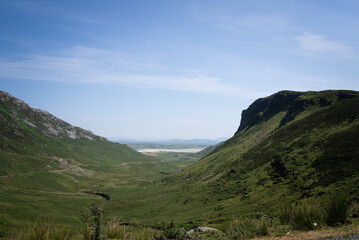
{"points": [[50, 169], [289, 146]]}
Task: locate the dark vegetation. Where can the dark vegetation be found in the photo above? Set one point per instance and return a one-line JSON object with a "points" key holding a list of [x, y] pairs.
{"points": [[293, 164]]}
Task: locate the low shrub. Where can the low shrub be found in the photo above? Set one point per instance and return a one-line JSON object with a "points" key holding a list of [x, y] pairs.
{"points": [[305, 215], [94, 229], [172, 231], [310, 214], [336, 208]]}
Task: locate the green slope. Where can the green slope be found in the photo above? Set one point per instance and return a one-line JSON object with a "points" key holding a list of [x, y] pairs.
{"points": [[289, 146], [51, 169]]}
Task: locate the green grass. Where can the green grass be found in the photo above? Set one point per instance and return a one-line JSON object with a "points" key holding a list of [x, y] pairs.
{"points": [[264, 167], [284, 153], [247, 228], [305, 215], [44, 230], [115, 230]]}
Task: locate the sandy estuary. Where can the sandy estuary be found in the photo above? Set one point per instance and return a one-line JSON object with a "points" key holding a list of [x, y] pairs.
{"points": [[186, 150]]}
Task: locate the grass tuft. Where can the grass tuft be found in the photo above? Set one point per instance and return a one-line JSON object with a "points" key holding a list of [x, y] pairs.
{"points": [[336, 208], [310, 214], [43, 230], [354, 209], [115, 230], [305, 215], [247, 228]]}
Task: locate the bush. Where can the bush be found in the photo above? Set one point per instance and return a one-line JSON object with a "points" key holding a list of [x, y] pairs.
{"points": [[173, 232], [306, 215], [310, 214], [247, 228], [94, 224], [336, 208]]}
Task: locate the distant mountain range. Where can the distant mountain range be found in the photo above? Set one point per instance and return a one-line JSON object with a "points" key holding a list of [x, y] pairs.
{"points": [[197, 142]]}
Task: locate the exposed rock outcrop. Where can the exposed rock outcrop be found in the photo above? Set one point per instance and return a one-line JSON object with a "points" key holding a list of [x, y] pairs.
{"points": [[43, 121]]}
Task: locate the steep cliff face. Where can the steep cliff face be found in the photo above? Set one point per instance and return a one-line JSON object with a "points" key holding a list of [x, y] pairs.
{"points": [[290, 102], [264, 108], [24, 118]]}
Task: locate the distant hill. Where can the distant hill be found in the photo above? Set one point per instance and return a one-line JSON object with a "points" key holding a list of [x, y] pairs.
{"points": [[193, 142], [288, 146]]}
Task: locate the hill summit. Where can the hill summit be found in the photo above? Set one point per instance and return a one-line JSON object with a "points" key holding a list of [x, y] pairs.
{"points": [[41, 121]]}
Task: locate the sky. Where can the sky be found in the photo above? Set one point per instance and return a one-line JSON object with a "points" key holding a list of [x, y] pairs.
{"points": [[165, 69]]}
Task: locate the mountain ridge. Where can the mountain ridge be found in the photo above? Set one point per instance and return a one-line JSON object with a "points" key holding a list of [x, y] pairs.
{"points": [[51, 125], [193, 141]]}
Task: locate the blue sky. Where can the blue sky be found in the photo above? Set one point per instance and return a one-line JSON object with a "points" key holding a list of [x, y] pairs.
{"points": [[172, 69]]}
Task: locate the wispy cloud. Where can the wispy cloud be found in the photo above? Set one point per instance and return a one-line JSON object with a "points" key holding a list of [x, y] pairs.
{"points": [[254, 23], [320, 44], [246, 23], [87, 20], [89, 65]]}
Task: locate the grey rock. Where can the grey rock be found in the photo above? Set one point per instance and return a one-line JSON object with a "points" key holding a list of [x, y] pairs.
{"points": [[205, 229]]}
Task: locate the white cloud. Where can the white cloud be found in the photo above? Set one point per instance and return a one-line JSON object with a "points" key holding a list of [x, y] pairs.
{"points": [[89, 65], [318, 43]]}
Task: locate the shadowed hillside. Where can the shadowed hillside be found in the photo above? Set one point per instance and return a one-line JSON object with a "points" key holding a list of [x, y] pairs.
{"points": [[289, 146]]}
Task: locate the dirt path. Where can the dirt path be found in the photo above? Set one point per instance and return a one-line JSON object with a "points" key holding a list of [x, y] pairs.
{"points": [[339, 233]]}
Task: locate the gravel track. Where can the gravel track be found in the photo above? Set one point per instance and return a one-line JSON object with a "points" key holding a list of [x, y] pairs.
{"points": [[354, 236]]}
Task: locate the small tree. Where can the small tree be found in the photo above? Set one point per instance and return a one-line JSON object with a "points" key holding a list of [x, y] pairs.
{"points": [[173, 232]]}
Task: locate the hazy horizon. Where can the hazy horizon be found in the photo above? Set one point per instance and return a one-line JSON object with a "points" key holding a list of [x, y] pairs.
{"points": [[172, 69]]}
